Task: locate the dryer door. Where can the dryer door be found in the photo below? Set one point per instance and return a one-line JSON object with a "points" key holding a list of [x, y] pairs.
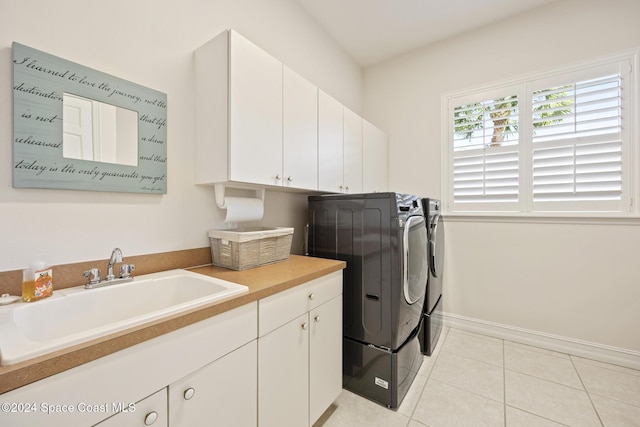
{"points": [[416, 261]]}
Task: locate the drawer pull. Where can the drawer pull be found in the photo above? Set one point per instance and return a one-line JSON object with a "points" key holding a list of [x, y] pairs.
{"points": [[312, 296], [150, 418], [189, 393]]}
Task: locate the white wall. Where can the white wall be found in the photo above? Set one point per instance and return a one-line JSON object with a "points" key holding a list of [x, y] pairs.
{"points": [[573, 280], [149, 42]]}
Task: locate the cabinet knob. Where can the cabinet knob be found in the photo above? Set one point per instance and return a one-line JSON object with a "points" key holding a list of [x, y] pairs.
{"points": [[150, 418], [312, 296], [347, 188], [278, 177], [305, 326], [290, 179], [189, 393], [317, 318]]}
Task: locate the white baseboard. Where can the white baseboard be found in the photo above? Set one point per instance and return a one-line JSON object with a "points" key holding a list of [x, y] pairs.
{"points": [[589, 350]]}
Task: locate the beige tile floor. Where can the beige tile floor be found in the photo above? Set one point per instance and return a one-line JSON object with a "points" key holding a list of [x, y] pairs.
{"points": [[475, 380]]}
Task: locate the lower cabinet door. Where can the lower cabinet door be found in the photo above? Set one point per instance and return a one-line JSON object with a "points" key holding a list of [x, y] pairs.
{"points": [[222, 393], [283, 375], [151, 411], [325, 356]]}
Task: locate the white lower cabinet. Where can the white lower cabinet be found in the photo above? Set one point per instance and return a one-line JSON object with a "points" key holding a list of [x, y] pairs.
{"points": [[300, 353], [151, 411], [283, 375], [211, 373], [217, 350], [222, 393], [325, 357]]}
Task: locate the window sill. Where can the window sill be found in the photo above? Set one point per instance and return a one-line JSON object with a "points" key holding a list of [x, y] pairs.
{"points": [[544, 218]]}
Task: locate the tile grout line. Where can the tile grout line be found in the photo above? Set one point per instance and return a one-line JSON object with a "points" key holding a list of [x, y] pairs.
{"points": [[526, 374], [586, 391], [428, 376], [573, 362], [606, 366], [464, 356], [505, 369], [608, 369]]}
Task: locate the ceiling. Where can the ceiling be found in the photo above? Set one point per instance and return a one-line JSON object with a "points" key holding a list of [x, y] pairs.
{"points": [[372, 31]]}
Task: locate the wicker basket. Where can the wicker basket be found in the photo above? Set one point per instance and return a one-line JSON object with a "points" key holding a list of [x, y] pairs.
{"points": [[246, 248]]}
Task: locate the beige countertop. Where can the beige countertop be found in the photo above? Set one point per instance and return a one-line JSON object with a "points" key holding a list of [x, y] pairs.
{"points": [[262, 282]]}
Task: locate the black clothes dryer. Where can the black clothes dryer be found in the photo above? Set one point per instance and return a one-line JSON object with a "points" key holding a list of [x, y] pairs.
{"points": [[431, 324], [383, 239]]}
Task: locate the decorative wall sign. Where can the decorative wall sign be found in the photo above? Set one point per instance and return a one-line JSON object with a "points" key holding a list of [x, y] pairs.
{"points": [[39, 82]]}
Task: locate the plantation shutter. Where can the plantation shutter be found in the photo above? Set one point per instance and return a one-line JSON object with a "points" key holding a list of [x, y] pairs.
{"points": [[560, 142], [577, 142], [486, 153]]}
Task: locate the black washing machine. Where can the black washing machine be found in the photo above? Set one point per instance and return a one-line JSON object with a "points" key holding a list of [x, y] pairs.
{"points": [[383, 239], [431, 324]]}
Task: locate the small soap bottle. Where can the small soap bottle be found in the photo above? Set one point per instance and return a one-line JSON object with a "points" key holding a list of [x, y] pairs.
{"points": [[37, 282]]}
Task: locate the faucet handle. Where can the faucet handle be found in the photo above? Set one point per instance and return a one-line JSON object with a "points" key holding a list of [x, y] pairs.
{"points": [[125, 270], [93, 275]]}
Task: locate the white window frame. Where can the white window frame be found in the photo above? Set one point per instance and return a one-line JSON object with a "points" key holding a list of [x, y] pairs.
{"points": [[522, 87]]}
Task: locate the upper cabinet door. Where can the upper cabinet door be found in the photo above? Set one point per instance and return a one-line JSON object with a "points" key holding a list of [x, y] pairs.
{"points": [[255, 114], [330, 143], [375, 176], [352, 150], [300, 127], [258, 122]]}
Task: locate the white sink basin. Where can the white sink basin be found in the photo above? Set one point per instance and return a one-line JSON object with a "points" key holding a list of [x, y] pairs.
{"points": [[75, 315]]}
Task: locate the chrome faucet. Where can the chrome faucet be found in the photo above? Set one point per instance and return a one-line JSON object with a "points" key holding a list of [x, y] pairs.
{"points": [[95, 280], [116, 256]]}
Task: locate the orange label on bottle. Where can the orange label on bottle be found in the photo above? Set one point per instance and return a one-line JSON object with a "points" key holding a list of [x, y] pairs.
{"points": [[43, 283]]}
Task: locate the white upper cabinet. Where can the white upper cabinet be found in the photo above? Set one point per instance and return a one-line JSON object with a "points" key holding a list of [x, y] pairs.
{"points": [[300, 128], [330, 143], [352, 153], [238, 112], [260, 123], [339, 147], [375, 175], [255, 114]]}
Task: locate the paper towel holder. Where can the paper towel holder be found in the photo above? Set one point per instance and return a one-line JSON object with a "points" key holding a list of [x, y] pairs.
{"points": [[221, 188]]}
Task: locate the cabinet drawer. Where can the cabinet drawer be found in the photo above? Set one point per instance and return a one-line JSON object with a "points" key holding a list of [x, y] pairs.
{"points": [[279, 309]]}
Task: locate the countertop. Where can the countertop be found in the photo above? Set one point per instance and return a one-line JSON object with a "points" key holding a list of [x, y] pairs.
{"points": [[261, 281]]}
